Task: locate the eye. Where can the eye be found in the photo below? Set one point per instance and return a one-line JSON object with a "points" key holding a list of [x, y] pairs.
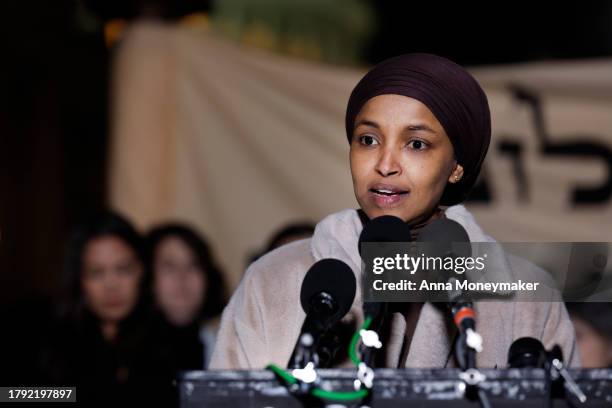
{"points": [[368, 140], [94, 273], [417, 144], [126, 268]]}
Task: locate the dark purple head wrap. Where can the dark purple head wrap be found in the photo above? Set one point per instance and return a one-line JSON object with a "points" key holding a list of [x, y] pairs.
{"points": [[452, 95]]}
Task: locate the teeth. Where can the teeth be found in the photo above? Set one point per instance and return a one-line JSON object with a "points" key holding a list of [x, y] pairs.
{"points": [[386, 192]]}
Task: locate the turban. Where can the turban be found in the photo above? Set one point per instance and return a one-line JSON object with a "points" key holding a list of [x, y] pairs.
{"points": [[451, 94]]}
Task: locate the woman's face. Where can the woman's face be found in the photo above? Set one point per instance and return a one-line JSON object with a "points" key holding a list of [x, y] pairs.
{"points": [[179, 283], [401, 158], [110, 278]]}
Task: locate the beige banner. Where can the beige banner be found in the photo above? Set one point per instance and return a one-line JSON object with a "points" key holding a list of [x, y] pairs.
{"points": [[239, 141]]}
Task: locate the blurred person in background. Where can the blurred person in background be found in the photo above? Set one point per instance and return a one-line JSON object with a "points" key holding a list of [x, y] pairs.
{"points": [[593, 324], [189, 295], [290, 233], [286, 234], [100, 345]]}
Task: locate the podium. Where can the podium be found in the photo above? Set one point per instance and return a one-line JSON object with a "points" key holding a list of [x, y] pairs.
{"points": [[392, 388]]}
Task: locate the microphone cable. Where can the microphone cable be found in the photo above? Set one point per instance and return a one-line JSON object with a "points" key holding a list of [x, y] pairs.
{"points": [[293, 383]]}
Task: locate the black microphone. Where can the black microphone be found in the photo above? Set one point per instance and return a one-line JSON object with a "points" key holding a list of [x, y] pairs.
{"points": [[441, 234], [327, 293], [386, 228], [526, 352], [381, 230]]}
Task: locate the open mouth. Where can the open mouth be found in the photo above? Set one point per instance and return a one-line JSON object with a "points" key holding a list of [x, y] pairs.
{"points": [[387, 192]]}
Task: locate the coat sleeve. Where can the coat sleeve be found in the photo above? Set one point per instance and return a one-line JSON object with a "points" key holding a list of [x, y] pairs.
{"points": [[262, 321], [547, 321], [240, 342], [559, 330]]}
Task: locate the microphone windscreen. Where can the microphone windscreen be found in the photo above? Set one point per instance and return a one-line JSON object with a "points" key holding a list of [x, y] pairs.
{"points": [[333, 277], [386, 228], [443, 230], [439, 236], [526, 352]]}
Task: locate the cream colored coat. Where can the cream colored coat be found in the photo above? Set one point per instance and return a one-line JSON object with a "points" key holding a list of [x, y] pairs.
{"points": [[262, 321]]}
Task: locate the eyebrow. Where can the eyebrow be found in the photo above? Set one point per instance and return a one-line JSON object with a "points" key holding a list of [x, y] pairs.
{"points": [[367, 123], [418, 127], [412, 128]]}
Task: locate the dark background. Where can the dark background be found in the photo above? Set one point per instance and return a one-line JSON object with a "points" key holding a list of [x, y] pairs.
{"points": [[54, 116]]}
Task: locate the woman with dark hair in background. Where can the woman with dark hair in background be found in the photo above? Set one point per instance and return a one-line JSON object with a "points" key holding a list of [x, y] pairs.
{"points": [[100, 345], [289, 233], [189, 295], [286, 234]]}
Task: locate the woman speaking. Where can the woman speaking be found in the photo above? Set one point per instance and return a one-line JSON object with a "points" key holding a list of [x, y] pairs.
{"points": [[419, 128]]}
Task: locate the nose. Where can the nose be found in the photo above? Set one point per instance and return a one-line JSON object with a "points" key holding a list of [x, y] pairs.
{"points": [[388, 164], [110, 282], [182, 275]]}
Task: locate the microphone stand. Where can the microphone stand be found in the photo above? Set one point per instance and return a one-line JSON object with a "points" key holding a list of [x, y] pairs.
{"points": [[322, 306], [468, 343], [377, 311], [557, 375]]}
